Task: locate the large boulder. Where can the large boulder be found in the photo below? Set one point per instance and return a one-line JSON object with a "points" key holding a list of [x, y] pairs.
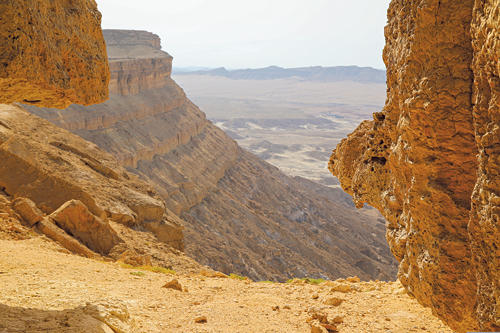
{"points": [[78, 221]]}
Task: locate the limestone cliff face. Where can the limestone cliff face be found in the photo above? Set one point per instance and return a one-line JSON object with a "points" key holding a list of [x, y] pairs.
{"points": [[484, 228], [136, 61], [53, 53], [241, 215], [416, 161]]}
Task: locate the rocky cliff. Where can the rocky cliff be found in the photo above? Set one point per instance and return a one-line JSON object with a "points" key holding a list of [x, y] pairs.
{"points": [[53, 53], [241, 215], [416, 161], [48, 180]]}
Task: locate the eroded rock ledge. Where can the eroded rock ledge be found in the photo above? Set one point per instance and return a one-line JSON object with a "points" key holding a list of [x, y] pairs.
{"points": [[71, 191], [416, 161], [53, 53]]}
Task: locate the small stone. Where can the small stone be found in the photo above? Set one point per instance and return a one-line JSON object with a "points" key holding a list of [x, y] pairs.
{"points": [[387, 319], [342, 287], [174, 284], [186, 290], [322, 318], [315, 296], [287, 307], [201, 320], [337, 320], [317, 328], [353, 279], [276, 308], [334, 301], [329, 328]]}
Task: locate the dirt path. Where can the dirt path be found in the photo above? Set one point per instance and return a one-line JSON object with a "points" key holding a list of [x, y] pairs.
{"points": [[41, 284]]}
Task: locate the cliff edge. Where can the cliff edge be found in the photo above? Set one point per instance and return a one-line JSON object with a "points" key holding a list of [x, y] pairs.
{"points": [[416, 161]]}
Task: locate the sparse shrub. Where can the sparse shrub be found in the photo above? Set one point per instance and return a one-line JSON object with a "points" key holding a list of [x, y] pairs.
{"points": [[162, 270], [138, 273], [234, 276], [308, 280], [266, 281], [154, 269]]}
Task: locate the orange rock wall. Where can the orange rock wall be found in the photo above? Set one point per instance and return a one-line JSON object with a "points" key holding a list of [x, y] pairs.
{"points": [[484, 228], [416, 161], [53, 53]]}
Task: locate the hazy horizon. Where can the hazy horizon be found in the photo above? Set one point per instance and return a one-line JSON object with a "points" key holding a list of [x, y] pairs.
{"points": [[240, 35]]}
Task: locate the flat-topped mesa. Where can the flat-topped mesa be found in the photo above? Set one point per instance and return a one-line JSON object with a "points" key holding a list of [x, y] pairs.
{"points": [[416, 161], [53, 53], [136, 61]]}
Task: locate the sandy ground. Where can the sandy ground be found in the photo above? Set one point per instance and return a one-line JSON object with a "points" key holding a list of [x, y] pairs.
{"points": [[39, 279]]}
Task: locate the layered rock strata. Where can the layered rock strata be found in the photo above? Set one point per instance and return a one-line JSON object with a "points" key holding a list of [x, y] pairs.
{"points": [[241, 215], [53, 53], [72, 188], [416, 161]]}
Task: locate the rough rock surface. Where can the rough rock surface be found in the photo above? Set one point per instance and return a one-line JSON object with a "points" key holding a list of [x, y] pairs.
{"points": [[46, 167], [79, 222], [416, 161], [241, 214], [53, 53], [484, 227]]}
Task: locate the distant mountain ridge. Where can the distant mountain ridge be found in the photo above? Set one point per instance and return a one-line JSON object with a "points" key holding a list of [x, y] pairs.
{"points": [[316, 73]]}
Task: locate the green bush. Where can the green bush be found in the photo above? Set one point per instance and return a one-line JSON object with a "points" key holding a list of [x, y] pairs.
{"points": [[154, 269], [308, 280]]}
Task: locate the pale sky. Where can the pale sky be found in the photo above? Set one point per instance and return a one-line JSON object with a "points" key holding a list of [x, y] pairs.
{"points": [[258, 33]]}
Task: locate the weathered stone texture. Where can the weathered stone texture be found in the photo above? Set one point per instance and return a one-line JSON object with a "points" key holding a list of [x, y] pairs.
{"points": [[50, 166], [416, 161], [484, 227], [53, 53]]}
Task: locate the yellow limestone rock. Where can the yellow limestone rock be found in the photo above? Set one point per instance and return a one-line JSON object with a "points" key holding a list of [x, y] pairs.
{"points": [[52, 53], [416, 161]]}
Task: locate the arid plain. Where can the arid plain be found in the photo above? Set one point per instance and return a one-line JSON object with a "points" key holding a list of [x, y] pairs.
{"points": [[291, 122]]}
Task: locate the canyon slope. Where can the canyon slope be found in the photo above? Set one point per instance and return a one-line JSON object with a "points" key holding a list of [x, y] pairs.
{"points": [[241, 215], [429, 160]]}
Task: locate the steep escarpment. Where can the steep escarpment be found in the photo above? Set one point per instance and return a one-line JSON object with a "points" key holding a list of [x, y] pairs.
{"points": [[416, 161], [53, 53], [241, 215]]}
